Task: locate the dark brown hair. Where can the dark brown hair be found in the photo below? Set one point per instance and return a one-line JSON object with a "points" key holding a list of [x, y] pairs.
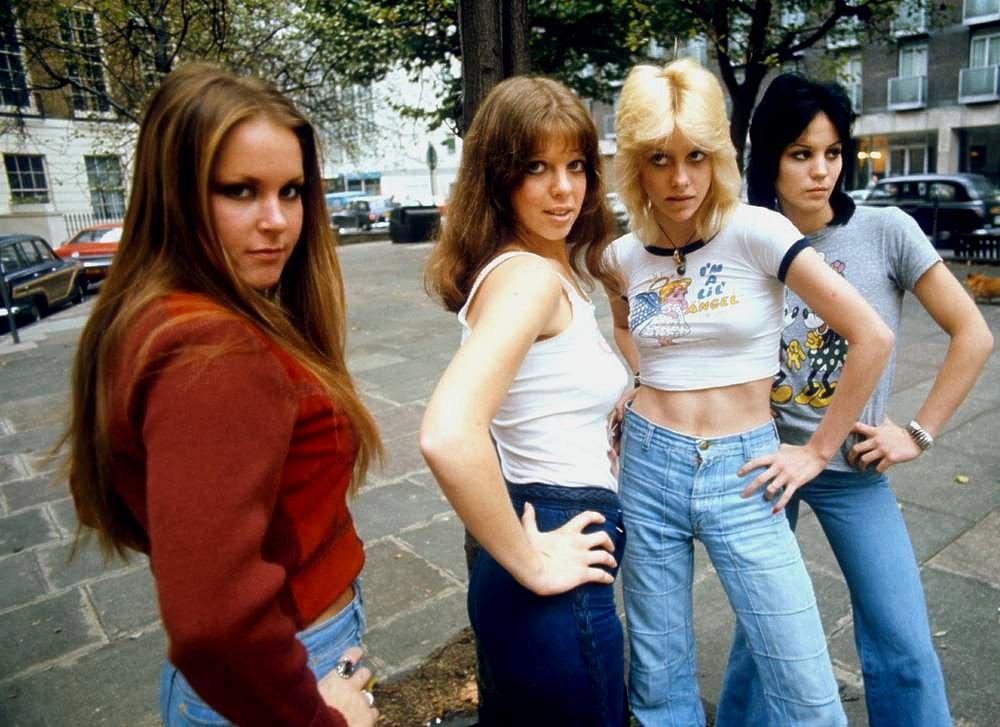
{"points": [[516, 119]]}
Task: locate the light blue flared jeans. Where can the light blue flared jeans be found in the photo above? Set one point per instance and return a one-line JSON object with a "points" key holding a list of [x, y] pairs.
{"points": [[904, 686], [675, 488]]}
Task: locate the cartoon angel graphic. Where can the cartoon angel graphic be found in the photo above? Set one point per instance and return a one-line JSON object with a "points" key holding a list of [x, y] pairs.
{"points": [[658, 314]]}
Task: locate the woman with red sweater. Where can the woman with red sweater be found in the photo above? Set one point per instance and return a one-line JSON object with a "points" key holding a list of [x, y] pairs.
{"points": [[215, 426]]}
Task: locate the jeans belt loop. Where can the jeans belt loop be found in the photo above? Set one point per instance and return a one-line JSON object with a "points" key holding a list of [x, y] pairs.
{"points": [[647, 435], [747, 448]]}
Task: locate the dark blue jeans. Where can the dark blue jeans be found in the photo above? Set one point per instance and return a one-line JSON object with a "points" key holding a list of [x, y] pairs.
{"points": [[550, 660]]}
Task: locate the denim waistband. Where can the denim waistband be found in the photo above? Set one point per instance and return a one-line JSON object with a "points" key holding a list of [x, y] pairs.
{"points": [[598, 498], [313, 636], [646, 431]]}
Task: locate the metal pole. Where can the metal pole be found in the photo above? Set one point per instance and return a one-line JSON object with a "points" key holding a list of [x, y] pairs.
{"points": [[8, 304]]}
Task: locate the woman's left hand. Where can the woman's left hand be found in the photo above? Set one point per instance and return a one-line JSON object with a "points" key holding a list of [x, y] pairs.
{"points": [[887, 444], [789, 468]]}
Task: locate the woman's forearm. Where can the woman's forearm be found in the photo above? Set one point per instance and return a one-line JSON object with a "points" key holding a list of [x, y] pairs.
{"points": [[468, 472], [967, 353]]}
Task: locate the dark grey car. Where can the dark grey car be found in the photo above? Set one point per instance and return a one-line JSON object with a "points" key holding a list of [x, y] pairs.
{"points": [[945, 206], [36, 278]]}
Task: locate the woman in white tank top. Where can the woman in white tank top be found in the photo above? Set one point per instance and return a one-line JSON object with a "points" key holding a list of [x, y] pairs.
{"points": [[526, 224]]}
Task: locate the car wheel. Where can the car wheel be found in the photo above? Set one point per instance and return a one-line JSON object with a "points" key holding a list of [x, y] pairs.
{"points": [[79, 289], [31, 314]]}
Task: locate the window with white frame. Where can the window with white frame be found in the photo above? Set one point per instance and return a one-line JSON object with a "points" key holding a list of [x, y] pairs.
{"points": [[913, 61], [13, 80], [984, 50], [26, 178], [911, 17], [83, 63], [850, 75], [912, 159], [107, 191]]}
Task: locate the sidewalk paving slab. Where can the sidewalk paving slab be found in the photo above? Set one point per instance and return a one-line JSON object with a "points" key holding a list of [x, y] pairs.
{"points": [[85, 641]]}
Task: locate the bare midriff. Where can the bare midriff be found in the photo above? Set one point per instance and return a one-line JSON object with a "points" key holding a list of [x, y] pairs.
{"points": [[706, 413], [336, 607]]}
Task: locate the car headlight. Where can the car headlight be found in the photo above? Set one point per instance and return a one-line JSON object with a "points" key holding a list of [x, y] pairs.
{"points": [[74, 254]]}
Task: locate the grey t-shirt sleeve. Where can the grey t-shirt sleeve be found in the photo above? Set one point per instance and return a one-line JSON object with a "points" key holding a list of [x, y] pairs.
{"points": [[909, 254]]}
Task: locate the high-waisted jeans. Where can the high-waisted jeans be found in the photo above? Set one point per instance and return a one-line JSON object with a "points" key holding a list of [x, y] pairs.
{"points": [[550, 660], [325, 643], [675, 488], [904, 686]]}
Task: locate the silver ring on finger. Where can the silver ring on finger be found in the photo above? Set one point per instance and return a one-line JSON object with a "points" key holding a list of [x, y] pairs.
{"points": [[369, 696], [345, 668]]}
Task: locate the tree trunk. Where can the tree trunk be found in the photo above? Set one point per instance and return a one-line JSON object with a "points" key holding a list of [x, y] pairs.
{"points": [[744, 98], [494, 41]]}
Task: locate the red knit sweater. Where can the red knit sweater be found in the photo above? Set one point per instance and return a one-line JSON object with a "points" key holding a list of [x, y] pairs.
{"points": [[232, 459]]}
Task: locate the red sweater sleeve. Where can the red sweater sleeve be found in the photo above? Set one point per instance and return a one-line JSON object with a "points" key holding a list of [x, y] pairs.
{"points": [[216, 427]]}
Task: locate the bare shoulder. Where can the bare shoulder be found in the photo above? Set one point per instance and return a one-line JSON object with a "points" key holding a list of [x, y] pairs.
{"points": [[521, 281]]}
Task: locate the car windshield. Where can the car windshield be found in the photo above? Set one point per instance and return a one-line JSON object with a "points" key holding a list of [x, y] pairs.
{"points": [[113, 234], [88, 235]]}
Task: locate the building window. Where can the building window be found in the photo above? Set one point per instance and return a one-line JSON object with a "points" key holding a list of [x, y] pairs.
{"points": [[911, 18], [913, 61], [107, 192], [984, 50], [908, 159], [850, 75], [83, 61], [26, 177], [13, 81]]}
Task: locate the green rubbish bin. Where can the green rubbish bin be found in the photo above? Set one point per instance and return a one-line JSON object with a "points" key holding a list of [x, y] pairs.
{"points": [[413, 223]]}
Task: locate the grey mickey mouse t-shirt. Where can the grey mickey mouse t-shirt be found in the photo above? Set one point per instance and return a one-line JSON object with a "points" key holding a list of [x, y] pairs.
{"points": [[883, 253]]}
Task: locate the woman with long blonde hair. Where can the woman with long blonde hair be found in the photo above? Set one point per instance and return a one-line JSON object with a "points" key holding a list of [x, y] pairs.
{"points": [[215, 427], [698, 443], [526, 231]]}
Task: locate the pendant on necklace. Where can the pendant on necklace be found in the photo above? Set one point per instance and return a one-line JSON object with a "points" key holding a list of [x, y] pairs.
{"points": [[680, 262]]}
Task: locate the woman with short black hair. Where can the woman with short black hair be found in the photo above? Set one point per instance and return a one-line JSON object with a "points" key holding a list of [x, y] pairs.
{"points": [[797, 137]]}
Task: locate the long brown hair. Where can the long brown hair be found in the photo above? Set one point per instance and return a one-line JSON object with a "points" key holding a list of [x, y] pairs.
{"points": [[514, 121], [169, 244]]}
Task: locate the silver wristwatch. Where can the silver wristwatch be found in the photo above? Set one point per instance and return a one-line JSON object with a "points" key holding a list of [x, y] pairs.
{"points": [[920, 435]]}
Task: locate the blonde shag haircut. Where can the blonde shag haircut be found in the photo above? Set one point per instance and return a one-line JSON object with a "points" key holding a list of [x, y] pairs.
{"points": [[656, 102]]}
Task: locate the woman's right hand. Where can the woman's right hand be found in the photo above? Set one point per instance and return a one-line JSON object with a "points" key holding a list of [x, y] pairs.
{"points": [[347, 695], [566, 557], [616, 417]]}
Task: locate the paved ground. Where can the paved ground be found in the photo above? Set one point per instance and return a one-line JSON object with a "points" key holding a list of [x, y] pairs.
{"points": [[81, 643]]}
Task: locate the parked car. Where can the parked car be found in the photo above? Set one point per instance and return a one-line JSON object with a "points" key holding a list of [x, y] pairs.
{"points": [[945, 206], [363, 213], [858, 195], [36, 278], [336, 201], [94, 247]]}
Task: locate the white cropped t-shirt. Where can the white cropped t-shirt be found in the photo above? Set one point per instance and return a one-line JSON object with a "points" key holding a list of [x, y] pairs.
{"points": [[720, 322], [550, 427]]}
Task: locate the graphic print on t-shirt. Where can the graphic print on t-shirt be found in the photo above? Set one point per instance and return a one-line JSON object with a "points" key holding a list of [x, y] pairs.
{"points": [[821, 348], [660, 315]]}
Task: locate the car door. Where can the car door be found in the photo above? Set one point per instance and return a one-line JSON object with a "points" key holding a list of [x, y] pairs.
{"points": [[14, 270], [44, 273]]}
